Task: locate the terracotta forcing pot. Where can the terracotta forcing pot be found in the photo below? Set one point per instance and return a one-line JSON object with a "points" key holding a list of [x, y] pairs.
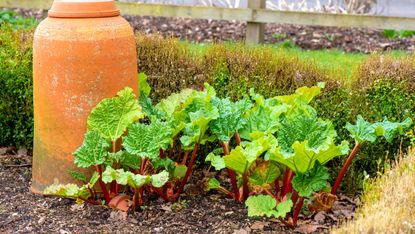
{"points": [[83, 52]]}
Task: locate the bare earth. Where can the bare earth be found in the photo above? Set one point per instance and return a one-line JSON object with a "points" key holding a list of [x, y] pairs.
{"points": [[24, 212]]}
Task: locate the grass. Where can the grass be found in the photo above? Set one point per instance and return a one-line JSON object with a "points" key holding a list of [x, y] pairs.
{"points": [[334, 61], [388, 202]]}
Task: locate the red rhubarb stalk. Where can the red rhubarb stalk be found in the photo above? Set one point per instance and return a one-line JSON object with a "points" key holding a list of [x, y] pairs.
{"points": [[245, 189], [188, 171], [344, 169], [231, 173], [287, 186], [297, 210], [102, 185]]}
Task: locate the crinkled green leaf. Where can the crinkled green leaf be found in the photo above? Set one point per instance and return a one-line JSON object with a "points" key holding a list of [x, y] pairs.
{"points": [[283, 208], [303, 158], [301, 126], [149, 109], [261, 205], [242, 157], [263, 117], [93, 150], [130, 160], [143, 84], [266, 172], [230, 117], [146, 140], [213, 183], [112, 116], [109, 175], [170, 104], [362, 131], [236, 160], [125, 177], [195, 129], [391, 129], [94, 179], [158, 180], [69, 190], [123, 158], [138, 181], [179, 171], [216, 161], [311, 181], [77, 175], [303, 95]]}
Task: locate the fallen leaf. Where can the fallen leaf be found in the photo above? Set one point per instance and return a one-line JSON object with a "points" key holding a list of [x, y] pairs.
{"points": [[309, 228], [320, 217], [259, 225]]}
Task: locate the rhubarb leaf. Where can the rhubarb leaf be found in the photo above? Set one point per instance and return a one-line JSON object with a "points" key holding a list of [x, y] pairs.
{"points": [[311, 181], [263, 117], [230, 117], [112, 116], [147, 140], [179, 171], [69, 190], [242, 157], [137, 181], [213, 183], [195, 130], [266, 172], [303, 95], [261, 205], [125, 177], [362, 131], [391, 129], [236, 160], [158, 180], [301, 126], [77, 175], [143, 84], [94, 179], [93, 150], [172, 103], [216, 161], [303, 158]]}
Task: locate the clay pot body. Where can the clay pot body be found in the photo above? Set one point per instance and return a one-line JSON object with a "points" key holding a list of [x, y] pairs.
{"points": [[76, 63]]}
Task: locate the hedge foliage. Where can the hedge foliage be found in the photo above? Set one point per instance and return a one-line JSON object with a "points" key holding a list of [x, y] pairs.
{"points": [[382, 86], [16, 105]]}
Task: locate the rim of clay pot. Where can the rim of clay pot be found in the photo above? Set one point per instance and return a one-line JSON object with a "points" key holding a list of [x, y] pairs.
{"points": [[83, 9]]}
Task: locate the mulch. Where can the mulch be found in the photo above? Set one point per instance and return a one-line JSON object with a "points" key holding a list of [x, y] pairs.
{"points": [[306, 37], [24, 212]]}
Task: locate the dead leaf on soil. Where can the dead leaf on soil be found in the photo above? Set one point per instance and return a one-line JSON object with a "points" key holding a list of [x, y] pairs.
{"points": [[120, 202], [259, 225], [309, 228], [322, 202]]}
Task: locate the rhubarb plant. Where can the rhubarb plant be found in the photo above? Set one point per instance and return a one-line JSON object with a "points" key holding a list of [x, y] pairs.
{"points": [[363, 132], [282, 140]]}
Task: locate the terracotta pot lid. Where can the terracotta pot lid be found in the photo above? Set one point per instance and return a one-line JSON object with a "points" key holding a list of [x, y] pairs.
{"points": [[83, 9]]}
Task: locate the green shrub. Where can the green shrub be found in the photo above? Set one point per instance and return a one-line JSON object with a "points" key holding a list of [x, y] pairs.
{"points": [[16, 107]]}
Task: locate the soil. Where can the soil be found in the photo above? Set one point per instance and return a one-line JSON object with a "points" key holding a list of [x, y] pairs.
{"points": [[305, 37], [24, 212]]}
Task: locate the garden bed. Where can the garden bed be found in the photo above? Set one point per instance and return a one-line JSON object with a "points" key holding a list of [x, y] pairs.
{"points": [[22, 211]]}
